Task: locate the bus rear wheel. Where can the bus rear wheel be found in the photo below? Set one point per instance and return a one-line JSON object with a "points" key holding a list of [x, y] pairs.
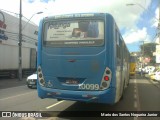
{"points": [[122, 96]]}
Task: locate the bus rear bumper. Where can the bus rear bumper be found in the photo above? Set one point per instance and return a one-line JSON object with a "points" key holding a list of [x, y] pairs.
{"points": [[105, 96]]}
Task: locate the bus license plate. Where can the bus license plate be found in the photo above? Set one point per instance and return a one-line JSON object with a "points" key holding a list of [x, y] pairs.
{"points": [[71, 82]]}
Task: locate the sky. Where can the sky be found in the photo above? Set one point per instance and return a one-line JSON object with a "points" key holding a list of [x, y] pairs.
{"points": [[137, 23]]}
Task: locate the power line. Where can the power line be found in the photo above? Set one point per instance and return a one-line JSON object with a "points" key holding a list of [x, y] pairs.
{"points": [[29, 37], [25, 36], [26, 39], [9, 11], [17, 15]]}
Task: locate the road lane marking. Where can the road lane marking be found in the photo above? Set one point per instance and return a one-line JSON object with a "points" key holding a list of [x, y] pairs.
{"points": [[17, 95], [135, 118], [135, 96], [135, 90], [138, 100], [55, 104], [135, 104]]}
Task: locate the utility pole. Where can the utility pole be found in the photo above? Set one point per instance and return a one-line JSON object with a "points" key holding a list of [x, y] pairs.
{"points": [[20, 41], [142, 54]]}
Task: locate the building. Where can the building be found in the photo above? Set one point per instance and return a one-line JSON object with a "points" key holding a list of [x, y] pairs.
{"points": [[9, 51]]}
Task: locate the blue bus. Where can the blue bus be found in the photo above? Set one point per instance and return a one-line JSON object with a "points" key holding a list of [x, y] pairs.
{"points": [[82, 57]]}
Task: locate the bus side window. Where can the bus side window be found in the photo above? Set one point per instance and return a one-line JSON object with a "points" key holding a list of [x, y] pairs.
{"points": [[117, 37], [117, 43]]}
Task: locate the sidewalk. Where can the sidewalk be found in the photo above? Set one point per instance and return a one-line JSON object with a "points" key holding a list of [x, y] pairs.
{"points": [[154, 82], [7, 83]]}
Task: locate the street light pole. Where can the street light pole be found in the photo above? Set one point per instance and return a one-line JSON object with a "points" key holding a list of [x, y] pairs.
{"points": [[20, 41], [30, 19], [132, 4]]}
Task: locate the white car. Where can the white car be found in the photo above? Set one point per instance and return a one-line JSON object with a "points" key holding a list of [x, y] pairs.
{"points": [[32, 81], [157, 75], [150, 69]]}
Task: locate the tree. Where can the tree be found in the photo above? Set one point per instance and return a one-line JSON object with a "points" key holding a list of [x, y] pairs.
{"points": [[147, 51]]}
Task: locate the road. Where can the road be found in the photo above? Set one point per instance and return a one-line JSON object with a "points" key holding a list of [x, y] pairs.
{"points": [[141, 95]]}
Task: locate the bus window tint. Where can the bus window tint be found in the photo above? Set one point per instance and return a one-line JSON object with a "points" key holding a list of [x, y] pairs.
{"points": [[74, 33]]}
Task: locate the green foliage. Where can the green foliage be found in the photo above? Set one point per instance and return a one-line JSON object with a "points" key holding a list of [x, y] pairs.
{"points": [[147, 50]]}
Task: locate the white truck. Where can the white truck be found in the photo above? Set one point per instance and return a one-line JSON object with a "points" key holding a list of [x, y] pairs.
{"points": [[9, 49]]}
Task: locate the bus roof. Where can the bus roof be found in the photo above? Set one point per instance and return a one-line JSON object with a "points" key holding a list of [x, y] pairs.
{"points": [[75, 15]]}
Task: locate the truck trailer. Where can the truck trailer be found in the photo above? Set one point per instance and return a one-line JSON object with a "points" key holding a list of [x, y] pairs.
{"points": [[9, 46]]}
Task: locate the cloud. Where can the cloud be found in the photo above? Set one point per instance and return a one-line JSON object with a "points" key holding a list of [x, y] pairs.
{"points": [[135, 35], [154, 21], [10, 5], [126, 17]]}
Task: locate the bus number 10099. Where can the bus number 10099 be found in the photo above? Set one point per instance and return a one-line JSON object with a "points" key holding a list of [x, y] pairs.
{"points": [[89, 87]]}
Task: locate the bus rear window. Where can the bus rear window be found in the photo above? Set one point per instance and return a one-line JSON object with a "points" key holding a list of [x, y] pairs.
{"points": [[74, 33]]}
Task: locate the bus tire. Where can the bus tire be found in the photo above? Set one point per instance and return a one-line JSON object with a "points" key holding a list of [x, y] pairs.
{"points": [[122, 96]]}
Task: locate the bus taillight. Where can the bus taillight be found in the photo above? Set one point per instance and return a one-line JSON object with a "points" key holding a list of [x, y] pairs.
{"points": [[106, 79], [108, 72], [40, 77]]}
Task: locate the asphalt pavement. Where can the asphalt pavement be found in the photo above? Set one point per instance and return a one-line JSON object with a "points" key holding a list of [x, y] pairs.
{"points": [[7, 83], [137, 97]]}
